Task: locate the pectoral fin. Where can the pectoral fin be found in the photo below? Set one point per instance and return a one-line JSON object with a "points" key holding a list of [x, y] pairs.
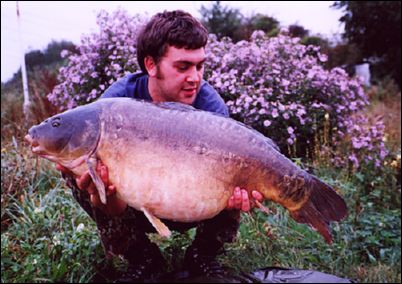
{"points": [[91, 162], [161, 228]]}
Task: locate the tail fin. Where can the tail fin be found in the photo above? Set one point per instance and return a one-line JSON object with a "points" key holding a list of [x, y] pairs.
{"points": [[324, 205]]}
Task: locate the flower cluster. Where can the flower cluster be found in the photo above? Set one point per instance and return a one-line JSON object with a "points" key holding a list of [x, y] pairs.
{"points": [[103, 58], [280, 87], [366, 142]]}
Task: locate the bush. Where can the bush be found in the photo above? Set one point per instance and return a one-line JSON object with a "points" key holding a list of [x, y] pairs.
{"points": [[102, 59], [280, 87]]}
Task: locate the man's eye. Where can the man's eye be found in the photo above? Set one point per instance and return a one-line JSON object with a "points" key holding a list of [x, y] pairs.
{"points": [[183, 67], [200, 66]]}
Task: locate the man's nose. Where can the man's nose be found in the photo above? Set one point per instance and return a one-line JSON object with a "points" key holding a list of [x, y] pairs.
{"points": [[193, 75]]}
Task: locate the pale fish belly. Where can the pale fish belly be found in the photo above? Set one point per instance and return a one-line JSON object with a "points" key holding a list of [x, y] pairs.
{"points": [[179, 186]]}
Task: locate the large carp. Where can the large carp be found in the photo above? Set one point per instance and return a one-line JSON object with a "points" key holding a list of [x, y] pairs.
{"points": [[174, 162]]}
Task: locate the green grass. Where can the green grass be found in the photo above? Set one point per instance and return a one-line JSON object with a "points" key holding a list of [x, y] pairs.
{"points": [[47, 237], [41, 242], [276, 240]]}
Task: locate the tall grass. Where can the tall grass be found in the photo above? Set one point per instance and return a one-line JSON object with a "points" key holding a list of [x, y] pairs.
{"points": [[50, 240], [47, 237]]}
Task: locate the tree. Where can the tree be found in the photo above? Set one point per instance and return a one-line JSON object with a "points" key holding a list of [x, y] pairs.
{"points": [[250, 24], [375, 28], [297, 31], [343, 55], [39, 61], [50, 55], [221, 20], [264, 23], [224, 21]]}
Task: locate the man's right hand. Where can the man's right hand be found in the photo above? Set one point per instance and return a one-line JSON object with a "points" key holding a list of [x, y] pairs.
{"points": [[241, 201], [114, 206]]}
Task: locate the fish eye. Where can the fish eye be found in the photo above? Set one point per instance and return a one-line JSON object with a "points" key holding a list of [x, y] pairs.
{"points": [[56, 122]]}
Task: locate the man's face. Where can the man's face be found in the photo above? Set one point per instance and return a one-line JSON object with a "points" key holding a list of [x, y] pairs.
{"points": [[179, 74]]}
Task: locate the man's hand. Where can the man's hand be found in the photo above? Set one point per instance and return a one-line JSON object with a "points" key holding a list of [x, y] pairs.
{"points": [[240, 199], [114, 206]]}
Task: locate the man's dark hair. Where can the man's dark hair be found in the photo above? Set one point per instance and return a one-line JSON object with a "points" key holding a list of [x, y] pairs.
{"points": [[175, 28]]}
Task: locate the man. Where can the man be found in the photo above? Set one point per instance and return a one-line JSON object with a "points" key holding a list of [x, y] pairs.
{"points": [[170, 52]]}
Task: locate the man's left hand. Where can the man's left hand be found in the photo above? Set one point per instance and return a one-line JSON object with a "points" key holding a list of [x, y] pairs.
{"points": [[241, 201]]}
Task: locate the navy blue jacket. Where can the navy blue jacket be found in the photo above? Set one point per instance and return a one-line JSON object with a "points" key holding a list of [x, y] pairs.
{"points": [[136, 86]]}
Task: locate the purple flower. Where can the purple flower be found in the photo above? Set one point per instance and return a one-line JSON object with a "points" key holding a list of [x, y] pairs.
{"points": [[356, 144], [322, 57], [75, 79], [267, 123], [354, 160], [64, 53], [78, 77], [285, 83], [383, 153]]}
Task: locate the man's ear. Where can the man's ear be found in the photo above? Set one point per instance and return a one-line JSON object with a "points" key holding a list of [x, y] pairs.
{"points": [[150, 65]]}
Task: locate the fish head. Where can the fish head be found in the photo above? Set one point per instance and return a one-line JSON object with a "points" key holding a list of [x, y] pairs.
{"points": [[66, 136]]}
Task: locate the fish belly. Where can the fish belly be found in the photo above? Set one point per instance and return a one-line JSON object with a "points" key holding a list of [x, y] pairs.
{"points": [[172, 185]]}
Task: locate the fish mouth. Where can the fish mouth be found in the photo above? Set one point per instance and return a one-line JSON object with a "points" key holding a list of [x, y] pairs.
{"points": [[35, 146], [28, 138]]}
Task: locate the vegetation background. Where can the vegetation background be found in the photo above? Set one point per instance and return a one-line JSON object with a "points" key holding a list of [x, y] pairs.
{"points": [[47, 237]]}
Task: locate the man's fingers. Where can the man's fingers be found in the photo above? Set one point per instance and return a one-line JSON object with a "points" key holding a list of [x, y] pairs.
{"points": [[111, 189], [237, 198], [84, 181], [91, 189], [231, 203], [104, 174], [95, 200], [60, 168], [100, 163], [241, 200], [94, 196], [257, 195], [245, 205], [63, 169]]}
